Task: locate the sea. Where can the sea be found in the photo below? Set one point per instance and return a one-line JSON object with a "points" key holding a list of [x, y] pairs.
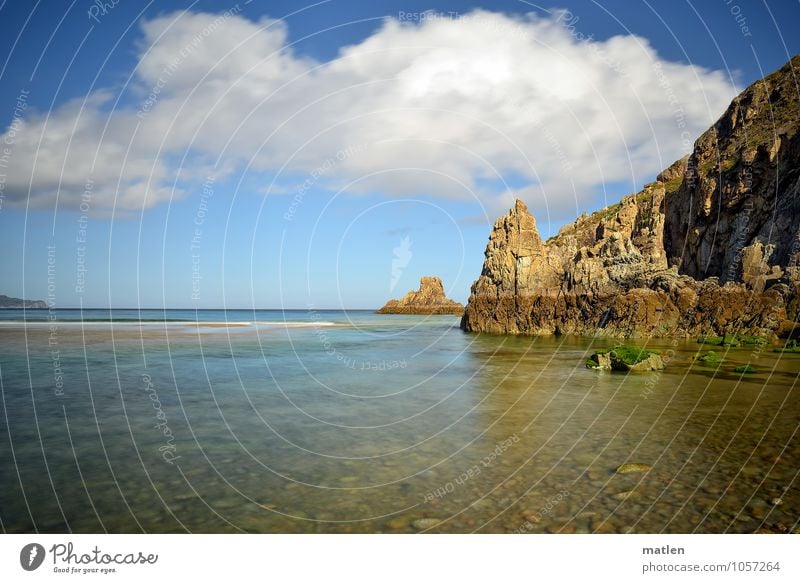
{"points": [[320, 421]]}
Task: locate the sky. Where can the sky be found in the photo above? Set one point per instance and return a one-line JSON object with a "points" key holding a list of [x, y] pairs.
{"points": [[327, 155]]}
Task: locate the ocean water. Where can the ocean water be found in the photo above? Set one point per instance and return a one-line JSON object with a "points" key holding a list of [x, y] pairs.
{"points": [[331, 421]]}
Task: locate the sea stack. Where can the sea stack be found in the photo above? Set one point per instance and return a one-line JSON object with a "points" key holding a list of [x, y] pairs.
{"points": [[711, 247], [428, 299]]}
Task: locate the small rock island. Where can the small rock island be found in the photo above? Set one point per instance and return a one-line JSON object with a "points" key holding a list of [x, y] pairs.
{"points": [[428, 299]]}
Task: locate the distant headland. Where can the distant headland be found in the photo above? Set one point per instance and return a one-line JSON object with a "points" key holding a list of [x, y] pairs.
{"points": [[9, 302]]}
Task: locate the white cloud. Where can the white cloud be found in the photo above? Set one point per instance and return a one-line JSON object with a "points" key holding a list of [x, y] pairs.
{"points": [[437, 107]]}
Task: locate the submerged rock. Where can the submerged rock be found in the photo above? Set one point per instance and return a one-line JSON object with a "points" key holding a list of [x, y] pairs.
{"points": [[425, 523], [745, 369], [626, 359], [398, 523], [632, 468], [532, 516], [626, 495], [428, 299], [710, 357]]}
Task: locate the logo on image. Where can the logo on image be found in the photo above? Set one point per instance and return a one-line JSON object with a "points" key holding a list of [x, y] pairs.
{"points": [[31, 556]]}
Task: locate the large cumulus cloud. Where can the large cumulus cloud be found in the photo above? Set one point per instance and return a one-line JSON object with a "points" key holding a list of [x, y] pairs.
{"points": [[440, 106]]}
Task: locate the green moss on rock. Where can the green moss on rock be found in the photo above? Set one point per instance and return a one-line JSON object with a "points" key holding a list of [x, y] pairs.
{"points": [[632, 354], [710, 357], [790, 347], [626, 358], [673, 185], [732, 340]]}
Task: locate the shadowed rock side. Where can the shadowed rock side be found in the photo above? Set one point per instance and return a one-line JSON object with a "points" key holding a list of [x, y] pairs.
{"points": [[428, 299], [735, 211], [710, 247]]}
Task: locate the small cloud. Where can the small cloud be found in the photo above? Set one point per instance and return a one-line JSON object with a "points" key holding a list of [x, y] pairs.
{"points": [[402, 257]]}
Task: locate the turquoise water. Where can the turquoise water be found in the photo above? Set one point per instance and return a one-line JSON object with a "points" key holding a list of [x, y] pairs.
{"points": [[66, 316], [330, 421]]}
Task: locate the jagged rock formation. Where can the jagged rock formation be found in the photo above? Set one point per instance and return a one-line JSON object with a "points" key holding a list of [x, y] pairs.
{"points": [[428, 299], [739, 197], [711, 247], [9, 302]]}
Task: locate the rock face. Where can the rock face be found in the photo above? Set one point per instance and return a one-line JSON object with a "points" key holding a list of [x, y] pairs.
{"points": [[711, 247], [611, 361], [734, 215], [428, 299], [9, 302]]}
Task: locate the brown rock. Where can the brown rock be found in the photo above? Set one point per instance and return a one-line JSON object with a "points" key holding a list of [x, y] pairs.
{"points": [[611, 361], [428, 299]]}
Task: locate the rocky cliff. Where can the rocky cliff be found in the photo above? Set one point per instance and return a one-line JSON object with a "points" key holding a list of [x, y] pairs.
{"points": [[428, 299], [738, 197], [710, 247]]}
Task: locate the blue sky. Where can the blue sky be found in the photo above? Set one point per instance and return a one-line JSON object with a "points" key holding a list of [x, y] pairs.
{"points": [[279, 155]]}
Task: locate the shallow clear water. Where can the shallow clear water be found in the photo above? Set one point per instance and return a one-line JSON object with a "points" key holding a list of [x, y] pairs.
{"points": [[356, 422]]}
